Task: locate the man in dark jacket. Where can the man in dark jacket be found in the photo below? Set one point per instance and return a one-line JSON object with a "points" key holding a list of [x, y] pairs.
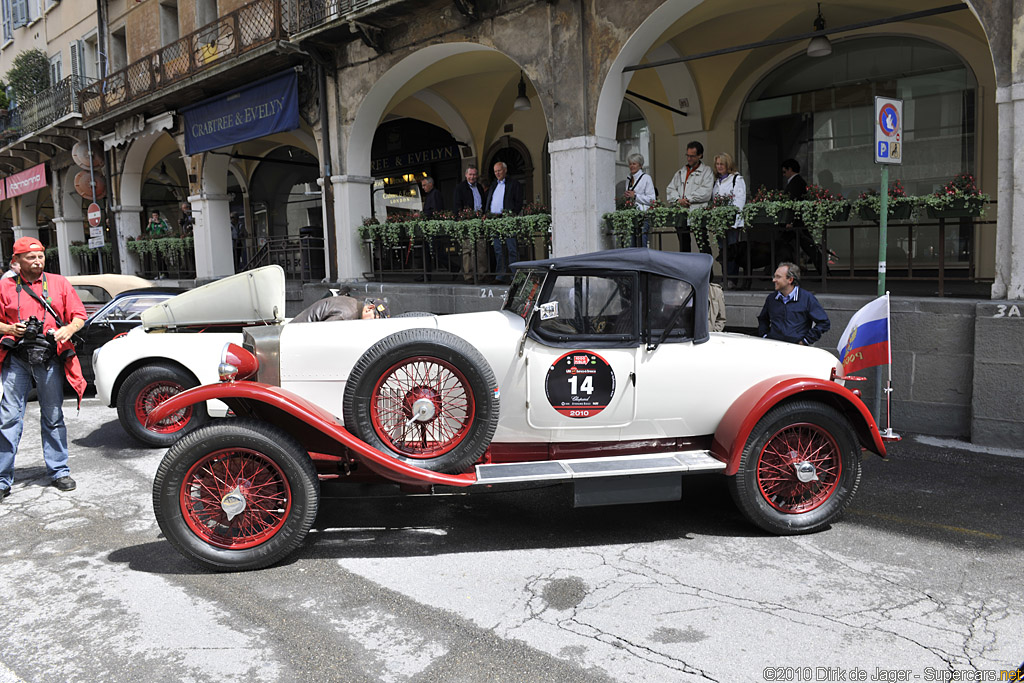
{"points": [[469, 197], [505, 195], [791, 314], [796, 188], [433, 203]]}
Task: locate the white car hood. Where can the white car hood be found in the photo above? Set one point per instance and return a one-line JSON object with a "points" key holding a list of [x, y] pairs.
{"points": [[255, 296]]}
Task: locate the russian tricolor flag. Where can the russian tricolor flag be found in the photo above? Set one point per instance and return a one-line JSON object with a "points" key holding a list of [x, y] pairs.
{"points": [[865, 342]]}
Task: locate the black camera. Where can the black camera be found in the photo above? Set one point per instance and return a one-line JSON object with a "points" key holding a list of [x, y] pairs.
{"points": [[33, 329]]}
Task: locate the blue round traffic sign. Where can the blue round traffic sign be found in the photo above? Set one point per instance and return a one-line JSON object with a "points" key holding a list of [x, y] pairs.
{"points": [[889, 120]]}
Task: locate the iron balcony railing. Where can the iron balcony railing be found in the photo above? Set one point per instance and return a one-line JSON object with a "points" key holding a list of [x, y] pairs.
{"points": [[312, 13], [41, 110], [246, 28]]}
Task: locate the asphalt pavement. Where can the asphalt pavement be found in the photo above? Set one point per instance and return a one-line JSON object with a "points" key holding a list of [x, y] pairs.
{"points": [[920, 581]]}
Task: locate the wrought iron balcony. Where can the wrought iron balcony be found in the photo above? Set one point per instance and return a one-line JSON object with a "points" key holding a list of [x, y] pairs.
{"points": [[41, 110], [239, 32], [313, 13]]}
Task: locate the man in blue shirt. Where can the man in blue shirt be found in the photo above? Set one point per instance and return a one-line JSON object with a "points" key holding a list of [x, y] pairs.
{"points": [[792, 314]]}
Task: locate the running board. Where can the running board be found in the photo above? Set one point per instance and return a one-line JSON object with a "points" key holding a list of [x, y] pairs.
{"points": [[588, 468]]}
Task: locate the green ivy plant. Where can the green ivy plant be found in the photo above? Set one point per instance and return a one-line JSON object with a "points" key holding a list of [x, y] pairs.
{"points": [[29, 74], [820, 207], [624, 224], [959, 193], [770, 203]]}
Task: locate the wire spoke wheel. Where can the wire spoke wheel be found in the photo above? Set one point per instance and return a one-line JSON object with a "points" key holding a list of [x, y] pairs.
{"points": [[424, 396], [152, 395], [422, 407], [799, 469], [793, 454], [235, 498]]}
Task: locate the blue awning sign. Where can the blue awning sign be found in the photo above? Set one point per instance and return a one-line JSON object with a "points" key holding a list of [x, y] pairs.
{"points": [[266, 107]]}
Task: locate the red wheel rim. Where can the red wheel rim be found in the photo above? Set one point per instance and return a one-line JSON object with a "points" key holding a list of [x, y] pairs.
{"points": [[414, 382], [790, 447], [235, 472], [152, 395]]}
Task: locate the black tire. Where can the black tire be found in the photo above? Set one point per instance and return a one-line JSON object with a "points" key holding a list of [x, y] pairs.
{"points": [[145, 389], [423, 367], [414, 314], [768, 487], [209, 463]]}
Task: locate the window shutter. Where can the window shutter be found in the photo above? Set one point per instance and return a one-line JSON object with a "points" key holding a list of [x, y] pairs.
{"points": [[76, 59], [20, 8], [8, 28]]}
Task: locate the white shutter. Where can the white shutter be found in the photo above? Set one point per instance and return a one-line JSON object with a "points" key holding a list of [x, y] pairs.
{"points": [[76, 59], [8, 15], [20, 12]]}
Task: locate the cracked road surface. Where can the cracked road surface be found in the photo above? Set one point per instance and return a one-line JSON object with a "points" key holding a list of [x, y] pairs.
{"points": [[921, 577]]}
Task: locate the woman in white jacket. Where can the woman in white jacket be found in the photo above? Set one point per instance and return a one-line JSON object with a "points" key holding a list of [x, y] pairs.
{"points": [[640, 188], [729, 182]]}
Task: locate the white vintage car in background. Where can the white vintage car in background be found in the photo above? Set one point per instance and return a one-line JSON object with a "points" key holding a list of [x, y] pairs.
{"points": [[598, 371], [178, 347]]}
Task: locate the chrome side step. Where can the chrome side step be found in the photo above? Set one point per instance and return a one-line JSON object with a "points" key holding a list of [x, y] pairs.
{"points": [[607, 466]]}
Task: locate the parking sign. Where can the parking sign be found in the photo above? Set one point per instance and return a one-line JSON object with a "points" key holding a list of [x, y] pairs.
{"points": [[888, 131]]}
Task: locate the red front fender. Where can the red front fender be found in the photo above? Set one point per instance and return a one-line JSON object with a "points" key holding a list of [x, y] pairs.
{"points": [[741, 417], [312, 414]]}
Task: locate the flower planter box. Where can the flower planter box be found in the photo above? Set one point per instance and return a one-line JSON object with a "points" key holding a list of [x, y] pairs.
{"points": [[957, 209], [843, 215], [759, 217], [897, 212]]}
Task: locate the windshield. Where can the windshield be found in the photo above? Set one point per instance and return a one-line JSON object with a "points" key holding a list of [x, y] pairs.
{"points": [[522, 293]]}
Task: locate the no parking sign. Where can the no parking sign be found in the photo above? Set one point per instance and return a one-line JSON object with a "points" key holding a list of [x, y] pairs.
{"points": [[888, 131]]}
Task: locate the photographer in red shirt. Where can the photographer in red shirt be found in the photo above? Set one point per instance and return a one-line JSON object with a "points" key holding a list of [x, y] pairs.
{"points": [[39, 312]]}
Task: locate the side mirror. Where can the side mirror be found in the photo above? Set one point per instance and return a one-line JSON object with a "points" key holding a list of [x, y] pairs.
{"points": [[549, 310]]}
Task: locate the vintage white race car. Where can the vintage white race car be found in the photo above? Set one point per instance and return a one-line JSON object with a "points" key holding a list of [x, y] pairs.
{"points": [[599, 371], [178, 347]]}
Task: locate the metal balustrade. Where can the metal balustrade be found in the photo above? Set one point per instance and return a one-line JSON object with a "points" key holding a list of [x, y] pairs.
{"points": [[41, 110], [312, 13], [246, 28]]}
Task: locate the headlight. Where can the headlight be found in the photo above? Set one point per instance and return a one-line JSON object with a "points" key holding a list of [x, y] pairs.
{"points": [[236, 363]]}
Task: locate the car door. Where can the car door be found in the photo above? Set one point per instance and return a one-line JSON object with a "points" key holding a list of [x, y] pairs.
{"points": [[580, 354]]}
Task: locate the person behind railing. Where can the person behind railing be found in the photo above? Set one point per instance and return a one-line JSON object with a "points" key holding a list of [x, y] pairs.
{"points": [[505, 195], [433, 205], [796, 187], [691, 188], [469, 198], [157, 226], [187, 223], [640, 189], [729, 183], [238, 237]]}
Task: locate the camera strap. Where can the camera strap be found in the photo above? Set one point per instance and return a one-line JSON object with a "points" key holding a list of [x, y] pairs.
{"points": [[44, 302]]}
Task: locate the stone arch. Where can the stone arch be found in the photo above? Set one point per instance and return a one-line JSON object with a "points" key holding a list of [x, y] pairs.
{"points": [[452, 118], [133, 167]]}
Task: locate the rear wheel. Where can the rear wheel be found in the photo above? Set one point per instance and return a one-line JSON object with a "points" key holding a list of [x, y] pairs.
{"points": [[425, 396], [236, 495], [799, 469], [144, 390]]}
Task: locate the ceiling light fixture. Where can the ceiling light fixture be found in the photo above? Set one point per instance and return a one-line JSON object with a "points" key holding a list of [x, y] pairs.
{"points": [[522, 102], [819, 45]]}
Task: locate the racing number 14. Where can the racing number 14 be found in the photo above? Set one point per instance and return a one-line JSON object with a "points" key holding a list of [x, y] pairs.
{"points": [[586, 386]]}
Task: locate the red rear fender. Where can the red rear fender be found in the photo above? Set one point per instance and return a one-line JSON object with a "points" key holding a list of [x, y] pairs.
{"points": [[742, 416], [318, 418]]}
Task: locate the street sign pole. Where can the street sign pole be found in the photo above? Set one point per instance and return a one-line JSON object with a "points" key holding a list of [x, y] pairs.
{"points": [[92, 183], [888, 150]]}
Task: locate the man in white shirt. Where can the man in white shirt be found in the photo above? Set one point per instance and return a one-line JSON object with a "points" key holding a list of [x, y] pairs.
{"points": [[691, 187], [504, 196]]}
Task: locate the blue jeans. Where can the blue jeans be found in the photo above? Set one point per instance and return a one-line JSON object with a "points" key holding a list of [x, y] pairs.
{"points": [[17, 381], [513, 253]]}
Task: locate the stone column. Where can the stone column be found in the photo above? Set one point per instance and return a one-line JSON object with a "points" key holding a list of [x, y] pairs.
{"points": [[212, 234], [351, 205], [1009, 281], [582, 190], [128, 223], [68, 231]]}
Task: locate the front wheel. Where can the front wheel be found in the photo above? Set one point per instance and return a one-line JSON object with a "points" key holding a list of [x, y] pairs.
{"points": [[144, 390], [236, 495], [799, 469]]}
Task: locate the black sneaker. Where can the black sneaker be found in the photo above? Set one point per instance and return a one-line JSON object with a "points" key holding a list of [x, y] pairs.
{"points": [[64, 484], [4, 492]]}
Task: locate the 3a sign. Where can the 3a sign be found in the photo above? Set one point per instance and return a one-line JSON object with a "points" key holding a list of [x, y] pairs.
{"points": [[888, 131]]}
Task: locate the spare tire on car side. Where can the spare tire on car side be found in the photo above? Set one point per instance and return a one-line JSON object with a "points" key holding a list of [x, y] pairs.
{"points": [[425, 396]]}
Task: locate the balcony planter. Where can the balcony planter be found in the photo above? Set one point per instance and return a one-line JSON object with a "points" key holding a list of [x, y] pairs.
{"points": [[762, 216], [897, 212], [958, 208], [624, 224]]}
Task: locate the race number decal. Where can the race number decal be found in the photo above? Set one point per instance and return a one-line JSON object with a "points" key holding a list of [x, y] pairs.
{"points": [[580, 384]]}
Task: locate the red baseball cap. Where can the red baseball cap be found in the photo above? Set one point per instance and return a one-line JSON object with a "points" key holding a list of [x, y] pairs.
{"points": [[23, 245]]}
